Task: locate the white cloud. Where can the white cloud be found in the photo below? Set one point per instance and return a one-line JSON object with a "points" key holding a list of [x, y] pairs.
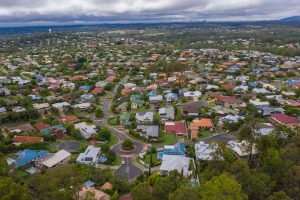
{"points": [[131, 10]]}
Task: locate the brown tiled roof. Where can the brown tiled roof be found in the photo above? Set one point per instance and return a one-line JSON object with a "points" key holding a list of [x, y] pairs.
{"points": [[27, 139], [41, 125], [69, 119]]}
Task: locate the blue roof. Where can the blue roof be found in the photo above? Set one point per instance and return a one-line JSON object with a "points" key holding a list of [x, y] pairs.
{"points": [[152, 94], [27, 155], [86, 87], [256, 71], [252, 84], [179, 149], [172, 96], [89, 183], [274, 69], [293, 81]]}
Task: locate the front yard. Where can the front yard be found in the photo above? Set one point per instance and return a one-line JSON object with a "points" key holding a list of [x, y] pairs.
{"points": [[147, 158], [169, 139], [205, 134]]}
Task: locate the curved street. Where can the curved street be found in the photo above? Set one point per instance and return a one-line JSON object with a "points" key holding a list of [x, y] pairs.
{"points": [[128, 169]]}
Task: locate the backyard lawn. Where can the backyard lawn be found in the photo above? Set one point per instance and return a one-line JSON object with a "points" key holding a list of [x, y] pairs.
{"points": [[113, 121], [154, 158], [169, 139], [205, 134]]}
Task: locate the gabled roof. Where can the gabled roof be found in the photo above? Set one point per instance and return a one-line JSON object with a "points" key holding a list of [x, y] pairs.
{"points": [[203, 122], [177, 127], [179, 163], [69, 119], [285, 119], [56, 158], [27, 139], [27, 155]]}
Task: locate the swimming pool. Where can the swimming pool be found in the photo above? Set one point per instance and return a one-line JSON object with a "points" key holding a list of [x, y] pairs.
{"points": [[160, 155]]}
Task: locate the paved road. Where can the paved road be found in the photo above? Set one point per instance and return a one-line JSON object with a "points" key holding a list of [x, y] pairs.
{"points": [[128, 170], [224, 138]]}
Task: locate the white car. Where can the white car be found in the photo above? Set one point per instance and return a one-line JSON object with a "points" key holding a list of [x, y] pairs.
{"points": [[123, 162]]}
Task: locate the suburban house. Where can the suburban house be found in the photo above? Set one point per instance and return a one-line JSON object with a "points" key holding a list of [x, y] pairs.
{"points": [[98, 195], [192, 109], [192, 95], [20, 139], [283, 119], [58, 158], [167, 113], [21, 128], [63, 106], [149, 132], [5, 92], [90, 156], [136, 103], [3, 110], [58, 130], [122, 107], [177, 128], [18, 109], [205, 151], [86, 130], [197, 124], [97, 90], [169, 97], [144, 117], [69, 119], [264, 129], [155, 99], [41, 107], [179, 163], [233, 103], [82, 106], [26, 156], [242, 148], [87, 98]]}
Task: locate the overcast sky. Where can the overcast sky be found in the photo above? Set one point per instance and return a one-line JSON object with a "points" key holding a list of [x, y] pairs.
{"points": [[15, 12]]}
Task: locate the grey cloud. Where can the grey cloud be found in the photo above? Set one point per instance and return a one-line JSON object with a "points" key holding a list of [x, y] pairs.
{"points": [[30, 11]]}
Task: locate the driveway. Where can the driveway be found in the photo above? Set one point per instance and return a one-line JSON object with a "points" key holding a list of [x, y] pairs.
{"points": [[224, 138], [71, 147]]}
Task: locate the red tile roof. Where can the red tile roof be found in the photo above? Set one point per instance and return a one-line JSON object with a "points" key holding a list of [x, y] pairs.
{"points": [[285, 119], [97, 90], [27, 139], [203, 122], [41, 125], [175, 127], [69, 119]]}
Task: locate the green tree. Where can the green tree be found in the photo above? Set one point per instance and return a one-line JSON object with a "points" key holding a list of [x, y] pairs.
{"points": [[279, 196], [291, 181], [185, 192], [104, 134], [142, 192], [4, 168], [99, 113], [115, 196], [222, 187], [10, 190], [127, 144]]}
